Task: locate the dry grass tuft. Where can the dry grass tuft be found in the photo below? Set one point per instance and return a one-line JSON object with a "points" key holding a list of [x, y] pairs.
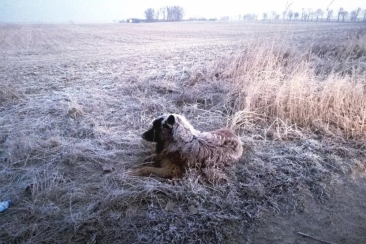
{"points": [[74, 110], [282, 87], [7, 93]]}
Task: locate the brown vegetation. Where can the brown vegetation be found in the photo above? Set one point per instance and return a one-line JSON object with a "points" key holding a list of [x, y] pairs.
{"points": [[74, 100]]}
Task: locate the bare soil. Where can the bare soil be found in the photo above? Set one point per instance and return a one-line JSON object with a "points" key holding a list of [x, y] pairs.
{"points": [[339, 219], [74, 100]]}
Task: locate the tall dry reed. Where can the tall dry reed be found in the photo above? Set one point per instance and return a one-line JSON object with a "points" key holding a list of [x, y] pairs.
{"points": [[279, 84]]}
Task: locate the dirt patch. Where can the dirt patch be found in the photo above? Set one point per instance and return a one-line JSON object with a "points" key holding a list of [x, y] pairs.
{"points": [[339, 219]]}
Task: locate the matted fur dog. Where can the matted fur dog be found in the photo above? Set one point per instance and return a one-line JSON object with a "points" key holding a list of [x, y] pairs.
{"points": [[179, 146]]}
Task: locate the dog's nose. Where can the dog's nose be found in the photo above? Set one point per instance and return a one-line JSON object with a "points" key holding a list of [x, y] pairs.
{"points": [[143, 136]]}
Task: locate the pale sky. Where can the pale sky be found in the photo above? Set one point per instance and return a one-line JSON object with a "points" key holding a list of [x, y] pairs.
{"points": [[105, 11]]}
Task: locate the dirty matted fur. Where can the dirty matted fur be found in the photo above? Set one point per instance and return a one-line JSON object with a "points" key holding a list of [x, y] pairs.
{"points": [[179, 146]]}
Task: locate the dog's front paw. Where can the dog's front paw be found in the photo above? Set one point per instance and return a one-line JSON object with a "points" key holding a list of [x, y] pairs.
{"points": [[134, 172], [150, 158]]}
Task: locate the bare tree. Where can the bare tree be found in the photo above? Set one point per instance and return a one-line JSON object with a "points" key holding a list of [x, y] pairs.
{"points": [[358, 10], [284, 14], [354, 14], [307, 14], [310, 14], [329, 11], [303, 14], [290, 14], [169, 14], [329, 14], [296, 15], [319, 13], [287, 7], [274, 14], [344, 15], [157, 15], [265, 16], [149, 15], [163, 12], [340, 11], [175, 13], [364, 15], [250, 17], [179, 13]]}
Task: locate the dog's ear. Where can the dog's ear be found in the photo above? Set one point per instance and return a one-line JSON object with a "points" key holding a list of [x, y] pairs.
{"points": [[170, 121]]}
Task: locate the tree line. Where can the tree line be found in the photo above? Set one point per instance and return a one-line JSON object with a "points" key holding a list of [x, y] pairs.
{"points": [[307, 15], [168, 13], [318, 14], [176, 13]]}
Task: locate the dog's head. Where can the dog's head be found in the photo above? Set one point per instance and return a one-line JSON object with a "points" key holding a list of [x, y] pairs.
{"points": [[170, 127], [160, 129]]}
